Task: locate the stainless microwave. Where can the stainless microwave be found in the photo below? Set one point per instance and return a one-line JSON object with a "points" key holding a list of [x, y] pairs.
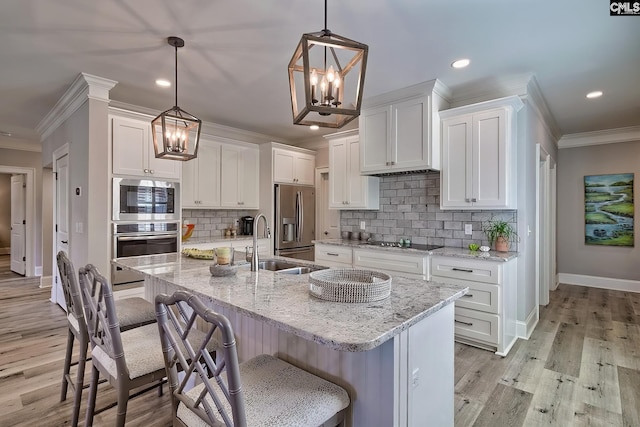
{"points": [[145, 200]]}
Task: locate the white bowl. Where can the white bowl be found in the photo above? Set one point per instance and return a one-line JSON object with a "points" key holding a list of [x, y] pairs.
{"points": [[484, 248]]}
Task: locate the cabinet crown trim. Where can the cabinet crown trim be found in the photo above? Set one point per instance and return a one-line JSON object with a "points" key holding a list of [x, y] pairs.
{"points": [[513, 102], [343, 134], [420, 89]]}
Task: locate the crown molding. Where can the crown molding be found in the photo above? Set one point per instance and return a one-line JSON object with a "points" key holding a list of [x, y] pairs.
{"points": [[209, 128], [85, 86], [600, 137], [20, 144], [488, 89], [420, 89], [535, 99], [512, 101]]}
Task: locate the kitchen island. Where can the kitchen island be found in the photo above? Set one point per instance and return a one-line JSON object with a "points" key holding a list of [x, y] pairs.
{"points": [[394, 357]]}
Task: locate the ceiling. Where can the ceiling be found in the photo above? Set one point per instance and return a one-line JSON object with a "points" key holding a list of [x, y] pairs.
{"points": [[233, 69]]}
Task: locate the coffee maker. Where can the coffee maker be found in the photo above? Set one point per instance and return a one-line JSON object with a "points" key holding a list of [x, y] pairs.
{"points": [[246, 225]]}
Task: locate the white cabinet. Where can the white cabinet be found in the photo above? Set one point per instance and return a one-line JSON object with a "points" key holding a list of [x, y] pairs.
{"points": [[239, 179], [133, 152], [333, 255], [223, 176], [479, 155], [347, 188], [201, 177], [399, 131], [486, 316], [413, 265], [292, 167]]}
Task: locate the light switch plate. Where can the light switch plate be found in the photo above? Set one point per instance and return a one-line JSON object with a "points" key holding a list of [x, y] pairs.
{"points": [[468, 229]]}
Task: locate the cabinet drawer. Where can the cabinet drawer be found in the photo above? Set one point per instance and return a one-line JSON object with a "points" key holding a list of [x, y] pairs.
{"points": [[466, 269], [333, 255], [408, 264], [476, 325], [481, 296]]}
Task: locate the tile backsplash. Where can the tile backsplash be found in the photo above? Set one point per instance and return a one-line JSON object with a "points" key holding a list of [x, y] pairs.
{"points": [[410, 207], [212, 223]]}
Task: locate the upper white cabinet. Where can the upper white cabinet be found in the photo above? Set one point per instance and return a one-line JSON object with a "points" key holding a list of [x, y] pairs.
{"points": [[239, 179], [293, 167], [479, 155], [223, 176], [400, 130], [133, 152], [201, 177], [347, 188]]}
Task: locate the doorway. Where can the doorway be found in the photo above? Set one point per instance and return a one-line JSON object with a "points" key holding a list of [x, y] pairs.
{"points": [[328, 220], [60, 218], [545, 225], [22, 204]]}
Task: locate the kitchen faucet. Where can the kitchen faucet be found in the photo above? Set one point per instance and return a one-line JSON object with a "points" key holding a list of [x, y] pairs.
{"points": [[267, 233]]}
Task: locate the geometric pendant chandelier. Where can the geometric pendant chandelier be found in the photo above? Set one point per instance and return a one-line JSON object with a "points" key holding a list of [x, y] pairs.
{"points": [[176, 133], [326, 78]]}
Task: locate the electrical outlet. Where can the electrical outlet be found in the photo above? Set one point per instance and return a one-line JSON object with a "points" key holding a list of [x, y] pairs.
{"points": [[468, 229], [362, 224]]}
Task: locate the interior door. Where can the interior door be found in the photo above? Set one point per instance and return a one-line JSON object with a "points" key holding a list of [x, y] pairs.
{"points": [[18, 223], [62, 219]]}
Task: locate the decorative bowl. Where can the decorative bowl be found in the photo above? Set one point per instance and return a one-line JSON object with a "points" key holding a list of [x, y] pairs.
{"points": [[225, 270], [484, 248]]}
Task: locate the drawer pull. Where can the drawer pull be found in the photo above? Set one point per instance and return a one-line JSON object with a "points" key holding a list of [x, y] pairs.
{"points": [[464, 323], [332, 254], [466, 270], [468, 295]]}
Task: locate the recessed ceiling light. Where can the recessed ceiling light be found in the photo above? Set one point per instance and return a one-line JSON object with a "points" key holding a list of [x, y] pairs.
{"points": [[314, 127], [594, 94], [460, 63], [163, 83]]}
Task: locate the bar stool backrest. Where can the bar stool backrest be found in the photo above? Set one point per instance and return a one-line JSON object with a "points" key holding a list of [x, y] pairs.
{"points": [[71, 291], [222, 392]]}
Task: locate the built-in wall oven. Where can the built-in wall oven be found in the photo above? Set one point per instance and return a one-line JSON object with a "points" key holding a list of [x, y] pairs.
{"points": [[145, 200], [142, 238]]}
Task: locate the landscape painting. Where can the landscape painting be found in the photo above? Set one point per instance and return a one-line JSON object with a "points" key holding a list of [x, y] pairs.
{"points": [[608, 204]]}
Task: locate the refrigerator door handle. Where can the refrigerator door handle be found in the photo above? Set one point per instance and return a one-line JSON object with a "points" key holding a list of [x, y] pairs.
{"points": [[299, 216]]}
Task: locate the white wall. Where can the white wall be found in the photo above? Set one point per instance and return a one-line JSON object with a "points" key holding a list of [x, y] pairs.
{"points": [[574, 257]]}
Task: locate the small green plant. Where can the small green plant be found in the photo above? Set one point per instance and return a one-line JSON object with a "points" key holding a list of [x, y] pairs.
{"points": [[495, 228]]}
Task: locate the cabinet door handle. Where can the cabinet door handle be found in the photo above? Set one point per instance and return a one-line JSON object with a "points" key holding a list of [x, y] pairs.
{"points": [[393, 163], [332, 254], [468, 295], [467, 200], [466, 270], [464, 323], [146, 171], [64, 242], [474, 200]]}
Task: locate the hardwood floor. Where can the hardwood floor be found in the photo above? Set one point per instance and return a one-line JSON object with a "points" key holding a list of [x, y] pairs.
{"points": [[581, 367], [5, 268]]}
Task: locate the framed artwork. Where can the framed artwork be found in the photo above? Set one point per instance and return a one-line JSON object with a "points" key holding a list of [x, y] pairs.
{"points": [[608, 209]]}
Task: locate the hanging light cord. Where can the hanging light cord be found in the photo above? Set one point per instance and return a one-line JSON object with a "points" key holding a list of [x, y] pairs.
{"points": [[176, 75]]}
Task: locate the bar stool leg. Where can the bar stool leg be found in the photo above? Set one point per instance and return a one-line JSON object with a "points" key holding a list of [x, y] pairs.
{"points": [[67, 366]]}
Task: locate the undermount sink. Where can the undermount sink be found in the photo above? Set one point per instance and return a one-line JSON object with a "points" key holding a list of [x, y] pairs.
{"points": [[287, 267]]}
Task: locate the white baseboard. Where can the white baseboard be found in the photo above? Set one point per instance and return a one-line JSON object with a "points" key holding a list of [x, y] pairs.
{"points": [[600, 282], [46, 281], [5, 251], [525, 329]]}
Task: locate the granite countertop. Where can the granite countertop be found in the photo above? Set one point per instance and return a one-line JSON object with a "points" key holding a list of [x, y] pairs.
{"points": [[444, 251], [218, 239], [283, 300]]}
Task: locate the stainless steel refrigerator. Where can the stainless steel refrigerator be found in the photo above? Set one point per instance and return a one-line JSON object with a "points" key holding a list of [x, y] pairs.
{"points": [[295, 221]]}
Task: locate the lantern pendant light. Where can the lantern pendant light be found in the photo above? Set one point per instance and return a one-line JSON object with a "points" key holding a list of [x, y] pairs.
{"points": [[176, 133], [326, 78]]}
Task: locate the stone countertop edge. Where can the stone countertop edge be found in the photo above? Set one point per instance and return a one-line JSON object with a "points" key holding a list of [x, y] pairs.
{"points": [[444, 251], [217, 239], [286, 304]]}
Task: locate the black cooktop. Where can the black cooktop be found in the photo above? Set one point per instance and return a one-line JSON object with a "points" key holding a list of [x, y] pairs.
{"points": [[417, 246]]}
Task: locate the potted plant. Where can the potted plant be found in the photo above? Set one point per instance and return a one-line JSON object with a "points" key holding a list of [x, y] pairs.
{"points": [[500, 233]]}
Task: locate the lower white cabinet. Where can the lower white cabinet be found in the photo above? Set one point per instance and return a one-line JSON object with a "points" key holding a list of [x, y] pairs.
{"points": [[333, 255], [413, 265], [486, 316]]}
